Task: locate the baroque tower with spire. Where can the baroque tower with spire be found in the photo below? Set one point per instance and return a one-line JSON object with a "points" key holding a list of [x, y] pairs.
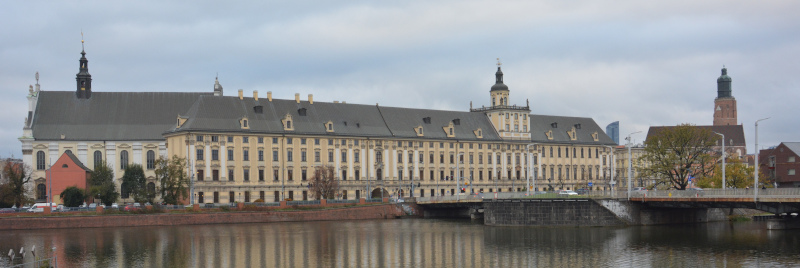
{"points": [[83, 78], [512, 122], [725, 103]]}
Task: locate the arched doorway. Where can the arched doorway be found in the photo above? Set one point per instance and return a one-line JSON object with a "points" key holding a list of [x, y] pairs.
{"points": [[151, 190], [377, 193]]}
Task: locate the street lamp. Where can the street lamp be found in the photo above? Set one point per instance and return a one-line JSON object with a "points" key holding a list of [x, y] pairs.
{"points": [[723, 158], [630, 164], [755, 186]]}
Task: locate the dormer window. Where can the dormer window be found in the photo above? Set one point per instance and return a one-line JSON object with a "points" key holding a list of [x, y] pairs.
{"points": [[573, 135], [554, 125], [418, 130], [449, 130], [595, 136], [244, 123], [329, 126], [478, 133], [549, 135], [287, 122]]}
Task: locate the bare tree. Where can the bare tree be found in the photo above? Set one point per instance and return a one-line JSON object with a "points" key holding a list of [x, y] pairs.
{"points": [[323, 184], [13, 192], [675, 153]]}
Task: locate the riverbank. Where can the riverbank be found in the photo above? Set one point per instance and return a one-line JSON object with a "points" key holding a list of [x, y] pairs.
{"points": [[363, 212]]}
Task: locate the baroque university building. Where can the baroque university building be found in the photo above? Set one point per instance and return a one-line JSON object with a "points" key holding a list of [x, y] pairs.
{"points": [[242, 148]]}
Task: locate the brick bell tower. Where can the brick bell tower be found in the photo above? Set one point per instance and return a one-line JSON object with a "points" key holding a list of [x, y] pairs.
{"points": [[725, 103]]}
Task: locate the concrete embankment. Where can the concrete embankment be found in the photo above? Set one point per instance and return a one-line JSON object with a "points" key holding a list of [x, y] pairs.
{"points": [[386, 211]]}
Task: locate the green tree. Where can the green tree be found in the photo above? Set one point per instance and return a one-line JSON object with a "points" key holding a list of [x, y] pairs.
{"points": [[13, 192], [737, 175], [101, 184], [73, 196], [134, 183], [323, 184], [171, 174], [673, 154]]}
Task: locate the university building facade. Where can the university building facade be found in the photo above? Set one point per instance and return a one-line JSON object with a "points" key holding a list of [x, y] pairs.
{"points": [[243, 148]]}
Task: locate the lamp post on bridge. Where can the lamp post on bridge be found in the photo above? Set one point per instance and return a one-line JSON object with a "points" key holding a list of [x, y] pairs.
{"points": [[723, 159], [755, 186], [630, 163]]}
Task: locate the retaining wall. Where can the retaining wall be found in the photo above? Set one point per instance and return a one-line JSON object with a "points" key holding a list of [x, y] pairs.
{"points": [[387, 211]]}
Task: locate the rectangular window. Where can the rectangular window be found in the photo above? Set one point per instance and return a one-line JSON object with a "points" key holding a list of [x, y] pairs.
{"points": [[358, 174], [791, 159], [471, 157], [480, 159], [230, 175], [215, 138], [452, 159], [261, 195], [245, 155], [245, 139], [302, 140], [230, 138], [431, 158], [231, 197], [260, 139], [498, 158], [199, 138], [289, 156], [276, 195], [230, 154], [316, 157], [316, 141], [344, 175], [330, 156], [288, 140], [261, 177], [344, 142], [246, 197], [214, 155], [489, 158], [216, 197], [303, 156], [200, 175], [399, 157], [330, 142], [246, 175], [290, 175], [791, 172], [275, 155], [356, 156], [344, 156], [303, 175], [200, 154], [275, 175], [274, 140], [260, 155], [355, 142], [215, 175]]}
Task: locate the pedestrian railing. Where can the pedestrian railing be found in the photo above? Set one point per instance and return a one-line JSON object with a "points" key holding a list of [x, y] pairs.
{"points": [[335, 201], [302, 203], [688, 193]]}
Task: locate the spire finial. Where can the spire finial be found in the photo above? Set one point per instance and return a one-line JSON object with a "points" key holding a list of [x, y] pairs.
{"points": [[37, 78], [499, 63], [82, 49]]}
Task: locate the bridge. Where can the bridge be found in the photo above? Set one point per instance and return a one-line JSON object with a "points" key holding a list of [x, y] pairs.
{"points": [[639, 207]]}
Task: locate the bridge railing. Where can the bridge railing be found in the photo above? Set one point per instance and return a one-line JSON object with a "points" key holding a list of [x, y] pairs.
{"points": [[720, 193]]}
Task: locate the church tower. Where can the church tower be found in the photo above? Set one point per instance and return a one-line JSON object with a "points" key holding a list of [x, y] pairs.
{"points": [[724, 104], [512, 122], [84, 79]]}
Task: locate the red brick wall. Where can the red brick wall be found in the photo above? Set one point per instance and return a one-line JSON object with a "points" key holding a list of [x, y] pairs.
{"points": [[782, 166], [388, 211], [62, 177]]}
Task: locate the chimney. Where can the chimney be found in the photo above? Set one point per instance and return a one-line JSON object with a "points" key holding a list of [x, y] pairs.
{"points": [[255, 95], [343, 102], [241, 94], [336, 101], [310, 98], [297, 97], [269, 95]]}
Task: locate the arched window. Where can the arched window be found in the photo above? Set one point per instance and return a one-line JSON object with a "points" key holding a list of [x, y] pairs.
{"points": [[151, 190], [41, 191], [124, 191], [40, 160], [151, 159], [378, 157], [68, 151], [98, 159], [123, 160]]}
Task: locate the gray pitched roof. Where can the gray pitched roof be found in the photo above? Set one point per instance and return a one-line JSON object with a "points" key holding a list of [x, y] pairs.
{"points": [[222, 114], [794, 146], [108, 115], [731, 132], [541, 124], [402, 121]]}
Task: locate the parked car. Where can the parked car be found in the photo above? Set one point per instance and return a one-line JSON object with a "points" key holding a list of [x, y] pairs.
{"points": [[39, 207], [131, 207], [114, 206], [92, 206], [582, 191], [567, 192], [8, 210]]}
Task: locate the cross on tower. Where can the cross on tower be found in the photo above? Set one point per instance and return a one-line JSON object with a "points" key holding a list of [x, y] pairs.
{"points": [[498, 62]]}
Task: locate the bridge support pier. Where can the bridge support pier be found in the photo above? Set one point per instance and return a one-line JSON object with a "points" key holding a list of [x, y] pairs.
{"points": [[784, 222]]}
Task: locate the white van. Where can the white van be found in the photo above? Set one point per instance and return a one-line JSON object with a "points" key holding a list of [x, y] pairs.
{"points": [[39, 207]]}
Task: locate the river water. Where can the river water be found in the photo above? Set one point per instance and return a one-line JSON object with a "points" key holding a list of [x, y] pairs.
{"points": [[413, 243]]}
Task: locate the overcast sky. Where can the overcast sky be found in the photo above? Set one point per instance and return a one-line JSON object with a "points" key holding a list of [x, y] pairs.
{"points": [[643, 63]]}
